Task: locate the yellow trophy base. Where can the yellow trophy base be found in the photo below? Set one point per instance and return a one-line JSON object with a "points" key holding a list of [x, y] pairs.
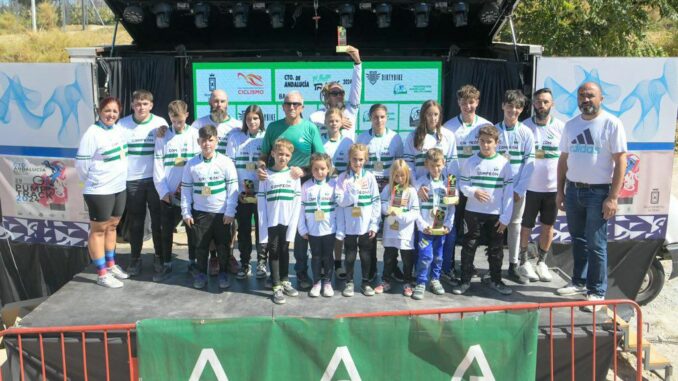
{"points": [[342, 48]]}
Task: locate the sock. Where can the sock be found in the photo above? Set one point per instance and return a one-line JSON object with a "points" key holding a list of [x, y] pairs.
{"points": [[522, 255], [110, 258], [337, 264], [542, 254], [100, 263]]}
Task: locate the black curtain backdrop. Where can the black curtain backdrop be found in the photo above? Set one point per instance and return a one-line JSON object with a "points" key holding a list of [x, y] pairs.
{"points": [[491, 77], [157, 74]]}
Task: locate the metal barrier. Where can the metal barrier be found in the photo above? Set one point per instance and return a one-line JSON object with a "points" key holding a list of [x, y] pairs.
{"points": [[83, 330], [550, 307], [127, 329]]}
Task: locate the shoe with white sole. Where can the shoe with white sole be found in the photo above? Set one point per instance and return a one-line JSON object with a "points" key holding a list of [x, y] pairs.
{"points": [[109, 281], [543, 272], [315, 290], [571, 289], [117, 272], [526, 270], [593, 298]]}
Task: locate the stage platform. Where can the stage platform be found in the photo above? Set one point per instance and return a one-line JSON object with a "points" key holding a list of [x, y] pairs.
{"points": [[82, 302]]}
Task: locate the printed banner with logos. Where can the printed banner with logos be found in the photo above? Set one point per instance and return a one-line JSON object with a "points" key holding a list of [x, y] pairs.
{"points": [[643, 94], [48, 107], [496, 346], [401, 86]]}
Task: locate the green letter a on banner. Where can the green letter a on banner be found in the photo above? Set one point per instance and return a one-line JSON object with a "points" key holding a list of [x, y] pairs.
{"points": [[208, 355], [475, 352], [341, 354]]}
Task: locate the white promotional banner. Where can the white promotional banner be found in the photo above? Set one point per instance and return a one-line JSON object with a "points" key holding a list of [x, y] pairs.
{"points": [[44, 111], [643, 94]]}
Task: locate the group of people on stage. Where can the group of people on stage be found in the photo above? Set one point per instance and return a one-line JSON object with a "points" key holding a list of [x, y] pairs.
{"points": [[315, 183]]}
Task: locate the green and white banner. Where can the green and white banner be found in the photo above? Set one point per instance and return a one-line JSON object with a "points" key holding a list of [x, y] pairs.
{"points": [[401, 85], [497, 346]]}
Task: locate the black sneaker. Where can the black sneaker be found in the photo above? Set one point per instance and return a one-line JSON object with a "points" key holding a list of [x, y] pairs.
{"points": [[244, 272], [461, 288], [398, 275], [134, 267], [164, 273], [303, 281], [500, 287], [514, 276], [157, 264]]}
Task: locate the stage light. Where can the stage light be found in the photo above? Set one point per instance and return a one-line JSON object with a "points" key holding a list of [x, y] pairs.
{"points": [[202, 15], [133, 14], [489, 14], [162, 12], [364, 6], [240, 12], [383, 12], [421, 13], [277, 13], [346, 13], [183, 6], [460, 14]]}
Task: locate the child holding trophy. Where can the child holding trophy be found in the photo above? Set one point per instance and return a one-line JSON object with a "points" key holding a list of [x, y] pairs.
{"points": [[434, 224], [244, 146], [400, 204]]}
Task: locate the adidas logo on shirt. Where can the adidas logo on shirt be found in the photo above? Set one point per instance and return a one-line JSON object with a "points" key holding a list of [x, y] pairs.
{"points": [[584, 143]]}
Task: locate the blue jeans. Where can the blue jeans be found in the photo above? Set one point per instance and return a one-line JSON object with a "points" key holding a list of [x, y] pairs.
{"points": [[430, 259], [588, 229]]}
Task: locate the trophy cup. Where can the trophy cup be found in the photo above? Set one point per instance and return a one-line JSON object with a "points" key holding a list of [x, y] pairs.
{"points": [[451, 197], [342, 42], [249, 197]]}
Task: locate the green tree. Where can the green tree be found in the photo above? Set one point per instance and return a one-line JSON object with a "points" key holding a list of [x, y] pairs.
{"points": [[591, 27]]}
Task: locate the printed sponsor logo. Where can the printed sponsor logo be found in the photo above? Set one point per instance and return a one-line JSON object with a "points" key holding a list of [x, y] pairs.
{"points": [[399, 89], [414, 117], [252, 79], [584, 143], [372, 76]]}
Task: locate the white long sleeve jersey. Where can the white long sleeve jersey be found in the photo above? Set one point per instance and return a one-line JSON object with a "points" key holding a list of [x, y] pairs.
{"points": [[492, 175], [352, 105], [101, 160], [520, 147], [383, 149], [338, 151], [318, 196], [466, 135], [361, 193], [278, 203], [436, 192], [400, 236], [245, 150], [415, 158], [172, 153], [141, 145], [209, 185], [223, 129]]}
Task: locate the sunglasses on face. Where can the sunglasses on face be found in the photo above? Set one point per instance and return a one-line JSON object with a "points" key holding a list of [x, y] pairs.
{"points": [[336, 93], [293, 104]]}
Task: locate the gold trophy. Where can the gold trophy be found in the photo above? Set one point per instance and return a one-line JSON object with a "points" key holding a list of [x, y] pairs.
{"points": [[397, 201], [438, 215], [342, 42], [249, 197], [451, 197]]}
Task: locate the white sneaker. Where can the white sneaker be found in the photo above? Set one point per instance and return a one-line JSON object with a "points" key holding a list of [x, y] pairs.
{"points": [[315, 290], [526, 270], [109, 281], [543, 272], [571, 289], [328, 291], [117, 272], [593, 298]]}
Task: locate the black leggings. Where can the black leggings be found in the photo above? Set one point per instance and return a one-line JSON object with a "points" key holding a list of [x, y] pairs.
{"points": [[477, 223], [170, 215], [243, 215], [391, 262], [322, 254], [278, 254], [141, 193], [353, 243]]}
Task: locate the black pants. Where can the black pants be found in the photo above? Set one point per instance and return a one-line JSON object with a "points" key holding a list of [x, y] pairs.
{"points": [[459, 210], [477, 223], [243, 215], [278, 254], [142, 193], [353, 243], [391, 262], [170, 215], [208, 227], [322, 256], [373, 253]]}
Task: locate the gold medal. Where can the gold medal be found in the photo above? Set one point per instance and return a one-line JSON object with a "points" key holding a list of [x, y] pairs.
{"points": [[539, 154], [179, 162], [356, 212], [507, 155], [319, 215], [206, 191], [251, 166], [468, 150], [395, 225]]}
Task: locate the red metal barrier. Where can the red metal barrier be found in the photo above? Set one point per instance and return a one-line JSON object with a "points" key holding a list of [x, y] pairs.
{"points": [[127, 328], [610, 304], [20, 333]]}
